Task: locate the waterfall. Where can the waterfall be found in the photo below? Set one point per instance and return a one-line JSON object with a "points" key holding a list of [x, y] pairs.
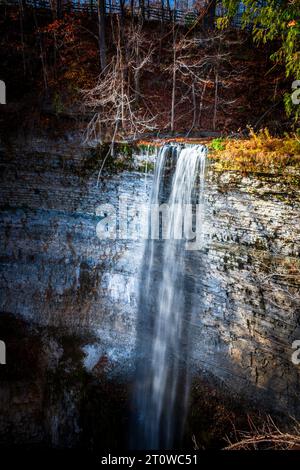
{"points": [[162, 388]]}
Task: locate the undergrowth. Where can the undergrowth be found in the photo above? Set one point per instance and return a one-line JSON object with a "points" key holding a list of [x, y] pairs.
{"points": [[259, 153]]}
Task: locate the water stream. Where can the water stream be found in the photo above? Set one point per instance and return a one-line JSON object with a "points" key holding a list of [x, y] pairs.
{"points": [[162, 389]]}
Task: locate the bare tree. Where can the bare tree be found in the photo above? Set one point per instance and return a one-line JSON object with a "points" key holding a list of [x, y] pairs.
{"points": [[196, 71], [113, 99]]}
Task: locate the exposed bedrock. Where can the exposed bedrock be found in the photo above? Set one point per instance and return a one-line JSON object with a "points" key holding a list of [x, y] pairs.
{"points": [[245, 282]]}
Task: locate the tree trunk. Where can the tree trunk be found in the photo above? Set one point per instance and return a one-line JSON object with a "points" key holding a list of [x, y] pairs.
{"points": [[162, 11], [173, 83], [216, 100], [209, 19], [142, 7], [137, 75], [169, 9], [59, 8], [122, 3], [194, 109], [101, 33]]}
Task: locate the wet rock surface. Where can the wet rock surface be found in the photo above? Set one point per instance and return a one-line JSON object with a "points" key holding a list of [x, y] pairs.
{"points": [[55, 270], [58, 280], [250, 273]]}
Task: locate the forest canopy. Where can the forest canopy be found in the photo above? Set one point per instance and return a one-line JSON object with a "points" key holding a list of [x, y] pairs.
{"points": [[276, 21], [133, 67]]}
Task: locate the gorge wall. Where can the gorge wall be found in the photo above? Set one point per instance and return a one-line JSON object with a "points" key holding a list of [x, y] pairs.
{"points": [[56, 273]]}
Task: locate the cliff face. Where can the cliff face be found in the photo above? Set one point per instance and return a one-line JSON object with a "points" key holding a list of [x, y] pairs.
{"points": [[249, 313], [244, 284], [56, 271]]}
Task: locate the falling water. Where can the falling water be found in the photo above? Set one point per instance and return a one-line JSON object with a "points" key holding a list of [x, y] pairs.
{"points": [[163, 331]]}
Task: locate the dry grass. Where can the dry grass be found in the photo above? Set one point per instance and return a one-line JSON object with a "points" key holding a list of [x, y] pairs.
{"points": [[259, 153], [267, 437]]}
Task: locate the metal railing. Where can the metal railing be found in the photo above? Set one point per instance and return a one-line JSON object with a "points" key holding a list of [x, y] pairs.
{"points": [[147, 12]]}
